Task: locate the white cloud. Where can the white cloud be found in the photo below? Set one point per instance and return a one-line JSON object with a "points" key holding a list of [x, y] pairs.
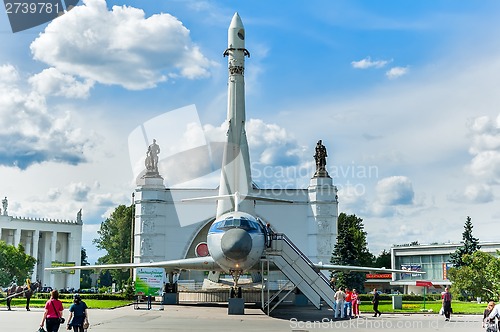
{"points": [[120, 46], [31, 132], [52, 82], [368, 63], [395, 190], [272, 144], [479, 193], [79, 191], [8, 74], [396, 72], [485, 148], [269, 144], [53, 194]]}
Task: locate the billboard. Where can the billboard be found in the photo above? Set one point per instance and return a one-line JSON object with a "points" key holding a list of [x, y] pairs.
{"points": [[409, 268], [149, 281], [62, 264]]}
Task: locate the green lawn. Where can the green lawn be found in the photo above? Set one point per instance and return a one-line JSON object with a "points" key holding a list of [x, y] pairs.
{"points": [[384, 306], [416, 306], [93, 304]]}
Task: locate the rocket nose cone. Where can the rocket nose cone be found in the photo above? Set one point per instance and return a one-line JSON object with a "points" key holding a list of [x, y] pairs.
{"points": [[236, 22], [236, 33], [236, 244]]}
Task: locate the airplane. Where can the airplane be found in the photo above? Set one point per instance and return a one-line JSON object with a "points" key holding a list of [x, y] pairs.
{"points": [[237, 239]]}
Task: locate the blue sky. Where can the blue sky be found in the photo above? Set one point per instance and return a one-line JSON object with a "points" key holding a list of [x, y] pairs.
{"points": [[403, 94]]}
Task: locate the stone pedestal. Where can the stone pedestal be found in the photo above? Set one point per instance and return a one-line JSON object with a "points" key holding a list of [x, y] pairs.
{"points": [[236, 306], [322, 220], [170, 298], [150, 219], [301, 300]]}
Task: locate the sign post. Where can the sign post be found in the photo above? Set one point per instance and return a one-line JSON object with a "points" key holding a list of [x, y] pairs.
{"points": [[425, 284]]}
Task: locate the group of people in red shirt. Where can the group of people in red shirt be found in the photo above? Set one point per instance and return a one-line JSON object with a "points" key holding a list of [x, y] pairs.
{"points": [[346, 303]]}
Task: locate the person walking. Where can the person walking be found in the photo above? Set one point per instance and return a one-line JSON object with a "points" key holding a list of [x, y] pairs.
{"points": [[78, 315], [447, 303], [53, 312], [339, 303], [375, 301], [355, 303]]}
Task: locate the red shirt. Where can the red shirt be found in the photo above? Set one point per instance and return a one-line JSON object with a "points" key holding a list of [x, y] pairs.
{"points": [[348, 296], [51, 313]]}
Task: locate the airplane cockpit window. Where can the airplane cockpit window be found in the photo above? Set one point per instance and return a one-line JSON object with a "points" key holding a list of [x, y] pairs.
{"points": [[228, 223]]}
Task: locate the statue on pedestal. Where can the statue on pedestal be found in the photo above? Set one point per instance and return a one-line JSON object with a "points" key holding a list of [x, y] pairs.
{"points": [[320, 158], [151, 161], [5, 203]]}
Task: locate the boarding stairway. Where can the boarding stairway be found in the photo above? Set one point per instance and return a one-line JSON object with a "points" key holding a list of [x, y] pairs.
{"points": [[300, 272]]}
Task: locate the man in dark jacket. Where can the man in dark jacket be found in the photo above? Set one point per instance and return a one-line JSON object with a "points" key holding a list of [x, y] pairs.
{"points": [[375, 301]]}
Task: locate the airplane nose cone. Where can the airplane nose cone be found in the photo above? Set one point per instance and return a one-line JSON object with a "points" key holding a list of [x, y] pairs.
{"points": [[236, 244]]}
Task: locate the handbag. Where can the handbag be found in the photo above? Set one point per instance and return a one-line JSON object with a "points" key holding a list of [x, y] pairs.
{"points": [[86, 325], [41, 329], [61, 319]]}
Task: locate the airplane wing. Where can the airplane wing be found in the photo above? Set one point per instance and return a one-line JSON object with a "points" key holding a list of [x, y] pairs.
{"points": [[198, 263], [347, 268]]}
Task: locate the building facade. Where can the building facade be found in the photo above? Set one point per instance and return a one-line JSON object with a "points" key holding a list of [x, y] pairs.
{"points": [[433, 259], [51, 242], [168, 228]]}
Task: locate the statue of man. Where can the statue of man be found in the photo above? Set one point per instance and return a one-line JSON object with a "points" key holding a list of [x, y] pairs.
{"points": [[320, 156], [79, 216], [152, 157], [5, 203]]}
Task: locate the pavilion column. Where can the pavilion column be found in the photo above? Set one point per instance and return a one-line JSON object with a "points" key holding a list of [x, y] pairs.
{"points": [[10, 237], [17, 237], [53, 256], [36, 237], [29, 239]]}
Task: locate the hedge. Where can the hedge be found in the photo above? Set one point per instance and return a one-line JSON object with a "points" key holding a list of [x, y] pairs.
{"points": [[406, 297], [97, 296]]}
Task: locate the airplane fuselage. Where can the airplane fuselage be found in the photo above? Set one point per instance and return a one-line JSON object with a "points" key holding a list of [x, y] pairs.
{"points": [[236, 241]]}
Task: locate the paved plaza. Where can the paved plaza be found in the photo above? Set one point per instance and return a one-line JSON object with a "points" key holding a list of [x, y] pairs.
{"points": [[215, 318]]}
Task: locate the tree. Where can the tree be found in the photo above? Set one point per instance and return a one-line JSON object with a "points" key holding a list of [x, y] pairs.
{"points": [[351, 249], [470, 245], [478, 276], [85, 280], [493, 276], [115, 239], [15, 265], [383, 260]]}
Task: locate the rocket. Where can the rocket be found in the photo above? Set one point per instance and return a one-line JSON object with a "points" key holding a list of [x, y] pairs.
{"points": [[236, 174]]}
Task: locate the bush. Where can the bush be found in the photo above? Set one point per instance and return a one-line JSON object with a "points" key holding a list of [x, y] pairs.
{"points": [[99, 296], [406, 297]]}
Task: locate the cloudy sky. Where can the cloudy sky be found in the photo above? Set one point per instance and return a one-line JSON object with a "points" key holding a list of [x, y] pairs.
{"points": [[405, 96]]}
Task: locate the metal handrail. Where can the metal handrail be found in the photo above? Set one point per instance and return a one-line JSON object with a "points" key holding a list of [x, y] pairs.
{"points": [[281, 236]]}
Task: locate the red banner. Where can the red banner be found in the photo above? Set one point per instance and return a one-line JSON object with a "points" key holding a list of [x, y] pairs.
{"points": [[423, 283], [379, 276]]}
